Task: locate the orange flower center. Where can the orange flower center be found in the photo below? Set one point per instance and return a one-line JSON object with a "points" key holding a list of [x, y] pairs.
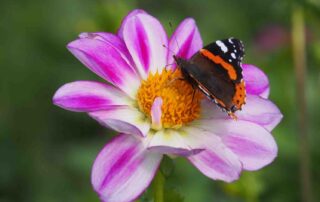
{"points": [[181, 103]]}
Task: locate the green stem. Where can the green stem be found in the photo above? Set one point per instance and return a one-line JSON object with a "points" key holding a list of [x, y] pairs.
{"points": [[158, 187], [300, 63]]}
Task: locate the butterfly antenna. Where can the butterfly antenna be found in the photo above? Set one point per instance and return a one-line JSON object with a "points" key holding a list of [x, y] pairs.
{"points": [[171, 51], [168, 48], [175, 38]]}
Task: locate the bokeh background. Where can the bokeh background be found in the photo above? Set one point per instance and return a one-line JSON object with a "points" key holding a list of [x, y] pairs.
{"points": [[46, 153]]}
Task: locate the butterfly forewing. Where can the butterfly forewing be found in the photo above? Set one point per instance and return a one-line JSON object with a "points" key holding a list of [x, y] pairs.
{"points": [[231, 51], [212, 80]]}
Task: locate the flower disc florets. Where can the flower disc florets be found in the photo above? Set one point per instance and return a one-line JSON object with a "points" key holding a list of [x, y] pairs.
{"points": [[181, 102]]}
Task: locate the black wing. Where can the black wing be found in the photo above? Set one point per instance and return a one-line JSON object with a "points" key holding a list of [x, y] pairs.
{"points": [[211, 79]]}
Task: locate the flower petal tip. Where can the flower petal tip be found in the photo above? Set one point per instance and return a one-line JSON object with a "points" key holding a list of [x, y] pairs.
{"points": [[156, 113], [257, 82], [185, 41], [144, 37], [123, 169]]}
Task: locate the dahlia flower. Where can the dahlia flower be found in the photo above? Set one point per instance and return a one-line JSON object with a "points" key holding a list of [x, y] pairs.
{"points": [[156, 117]]}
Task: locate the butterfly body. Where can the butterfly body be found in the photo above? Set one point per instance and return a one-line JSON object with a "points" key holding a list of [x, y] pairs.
{"points": [[216, 71]]}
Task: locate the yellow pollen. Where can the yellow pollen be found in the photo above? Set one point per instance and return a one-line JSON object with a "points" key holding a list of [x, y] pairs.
{"points": [[180, 104]]}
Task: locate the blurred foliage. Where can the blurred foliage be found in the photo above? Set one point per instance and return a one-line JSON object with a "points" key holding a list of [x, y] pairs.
{"points": [[46, 153]]}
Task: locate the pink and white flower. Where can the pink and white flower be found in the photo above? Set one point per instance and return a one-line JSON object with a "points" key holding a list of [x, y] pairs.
{"points": [[156, 119]]}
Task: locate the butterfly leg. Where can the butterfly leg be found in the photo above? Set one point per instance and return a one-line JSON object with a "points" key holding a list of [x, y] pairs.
{"points": [[232, 115], [169, 65], [175, 79], [194, 92]]}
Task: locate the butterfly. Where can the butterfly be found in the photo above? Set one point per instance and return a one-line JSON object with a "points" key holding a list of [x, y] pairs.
{"points": [[216, 71]]}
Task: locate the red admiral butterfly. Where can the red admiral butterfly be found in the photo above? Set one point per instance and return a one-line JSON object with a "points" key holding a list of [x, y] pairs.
{"points": [[216, 71]]}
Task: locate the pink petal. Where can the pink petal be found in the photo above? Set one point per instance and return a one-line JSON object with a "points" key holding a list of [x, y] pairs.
{"points": [[216, 161], [257, 109], [175, 142], [112, 40], [156, 114], [130, 15], [107, 61], [260, 111], [253, 144], [125, 120], [185, 41], [144, 37], [257, 83], [87, 96], [123, 169], [210, 110]]}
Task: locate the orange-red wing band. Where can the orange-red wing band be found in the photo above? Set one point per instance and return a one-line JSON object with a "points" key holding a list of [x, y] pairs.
{"points": [[218, 60]]}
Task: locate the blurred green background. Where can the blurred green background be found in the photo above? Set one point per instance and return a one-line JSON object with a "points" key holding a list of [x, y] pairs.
{"points": [[46, 153]]}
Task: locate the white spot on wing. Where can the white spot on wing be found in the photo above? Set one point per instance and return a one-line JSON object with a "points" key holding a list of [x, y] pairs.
{"points": [[203, 90], [222, 46], [233, 55], [230, 41]]}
